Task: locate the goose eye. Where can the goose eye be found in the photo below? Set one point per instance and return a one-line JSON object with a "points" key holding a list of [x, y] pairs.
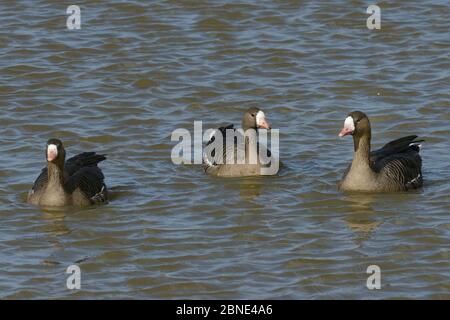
{"points": [[253, 115]]}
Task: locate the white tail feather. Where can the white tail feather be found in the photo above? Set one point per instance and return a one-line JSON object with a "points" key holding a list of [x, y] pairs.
{"points": [[417, 144]]}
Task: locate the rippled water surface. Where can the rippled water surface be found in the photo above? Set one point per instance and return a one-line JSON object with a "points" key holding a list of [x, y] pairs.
{"points": [[138, 70]]}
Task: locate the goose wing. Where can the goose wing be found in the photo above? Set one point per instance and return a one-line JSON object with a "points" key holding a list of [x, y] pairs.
{"points": [[85, 159], [400, 161], [71, 167], [40, 183], [90, 181], [213, 157], [395, 147], [83, 174]]}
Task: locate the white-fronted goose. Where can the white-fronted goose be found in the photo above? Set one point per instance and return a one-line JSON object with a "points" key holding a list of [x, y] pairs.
{"points": [[395, 167], [216, 164], [77, 181]]}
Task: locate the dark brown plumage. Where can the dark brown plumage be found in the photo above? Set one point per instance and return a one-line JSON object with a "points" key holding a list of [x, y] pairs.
{"points": [[395, 167], [77, 181], [215, 162]]}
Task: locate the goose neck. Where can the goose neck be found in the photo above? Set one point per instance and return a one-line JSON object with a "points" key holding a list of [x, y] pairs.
{"points": [[55, 174]]}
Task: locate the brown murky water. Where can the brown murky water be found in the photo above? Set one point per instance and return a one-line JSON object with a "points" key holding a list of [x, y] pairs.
{"points": [[138, 70]]}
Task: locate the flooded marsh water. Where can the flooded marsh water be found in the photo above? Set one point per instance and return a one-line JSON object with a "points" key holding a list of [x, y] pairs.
{"points": [[138, 70]]}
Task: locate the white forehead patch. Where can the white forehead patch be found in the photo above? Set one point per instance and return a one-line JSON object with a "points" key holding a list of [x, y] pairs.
{"points": [[260, 117], [52, 148], [349, 124]]}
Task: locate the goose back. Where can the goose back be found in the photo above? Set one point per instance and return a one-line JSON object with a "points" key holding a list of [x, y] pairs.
{"points": [[397, 166], [215, 163], [83, 182]]}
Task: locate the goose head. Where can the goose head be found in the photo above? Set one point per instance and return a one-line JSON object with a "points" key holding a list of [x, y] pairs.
{"points": [[254, 118], [55, 151], [356, 124]]}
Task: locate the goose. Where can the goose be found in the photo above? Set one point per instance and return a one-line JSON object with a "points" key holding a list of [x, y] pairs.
{"points": [[247, 160], [77, 181], [395, 167]]}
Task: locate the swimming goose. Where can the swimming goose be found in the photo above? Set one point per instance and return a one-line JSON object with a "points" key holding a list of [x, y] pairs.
{"points": [[77, 181], [247, 159], [395, 167]]}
